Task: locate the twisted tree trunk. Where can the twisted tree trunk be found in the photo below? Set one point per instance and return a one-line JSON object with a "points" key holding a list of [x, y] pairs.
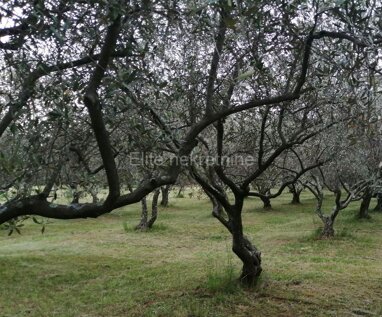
{"points": [[146, 223], [154, 209], [364, 208], [143, 223], [328, 230], [266, 202], [296, 197], [165, 194], [246, 252], [249, 255]]}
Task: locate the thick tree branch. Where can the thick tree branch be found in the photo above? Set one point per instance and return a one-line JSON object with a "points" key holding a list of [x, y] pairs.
{"points": [[218, 167], [219, 41], [92, 103]]}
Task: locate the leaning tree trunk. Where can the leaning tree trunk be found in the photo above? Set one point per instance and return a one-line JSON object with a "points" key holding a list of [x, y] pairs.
{"points": [[364, 208], [241, 246], [154, 209], [378, 207], [143, 223], [246, 252], [266, 202], [165, 193], [328, 230]]}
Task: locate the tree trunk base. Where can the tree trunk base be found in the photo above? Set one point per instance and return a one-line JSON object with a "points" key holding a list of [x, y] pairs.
{"points": [[141, 227], [295, 199], [250, 274], [364, 208], [327, 232], [266, 203], [146, 223], [251, 259]]}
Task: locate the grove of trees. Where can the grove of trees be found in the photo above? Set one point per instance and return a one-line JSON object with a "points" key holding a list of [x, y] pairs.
{"points": [[131, 96]]}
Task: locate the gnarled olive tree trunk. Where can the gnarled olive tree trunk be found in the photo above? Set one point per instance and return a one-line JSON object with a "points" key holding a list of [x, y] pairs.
{"points": [[266, 202], [295, 189], [296, 198], [365, 203], [328, 229], [154, 209], [316, 189], [165, 195], [146, 223], [143, 223], [249, 255], [246, 252]]}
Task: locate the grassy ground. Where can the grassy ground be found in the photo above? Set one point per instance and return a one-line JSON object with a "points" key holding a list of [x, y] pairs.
{"points": [[185, 267]]}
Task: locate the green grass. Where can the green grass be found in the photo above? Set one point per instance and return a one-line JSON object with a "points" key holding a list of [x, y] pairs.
{"points": [[185, 266]]}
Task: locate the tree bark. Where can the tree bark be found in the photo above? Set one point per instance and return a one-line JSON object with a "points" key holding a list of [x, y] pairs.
{"points": [[154, 209], [378, 207], [364, 208], [217, 208], [246, 252], [296, 197], [146, 223], [328, 230], [266, 202], [165, 194], [143, 223]]}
